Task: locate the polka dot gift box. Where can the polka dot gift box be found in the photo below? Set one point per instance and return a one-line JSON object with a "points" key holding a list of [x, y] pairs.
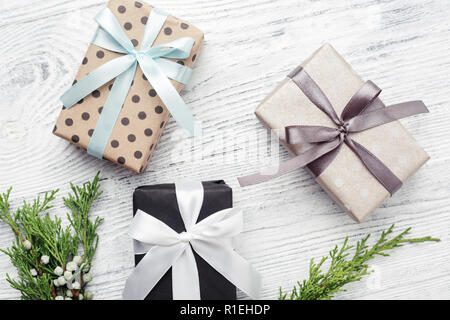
{"points": [[344, 177], [138, 123]]}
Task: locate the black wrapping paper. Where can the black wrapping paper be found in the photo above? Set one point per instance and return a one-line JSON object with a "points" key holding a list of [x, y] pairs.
{"points": [[161, 202]]}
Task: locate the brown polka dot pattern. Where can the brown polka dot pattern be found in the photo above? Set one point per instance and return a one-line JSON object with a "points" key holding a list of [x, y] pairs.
{"points": [[159, 109], [125, 121], [85, 116], [136, 98], [128, 26], [131, 138], [114, 143], [143, 117]]}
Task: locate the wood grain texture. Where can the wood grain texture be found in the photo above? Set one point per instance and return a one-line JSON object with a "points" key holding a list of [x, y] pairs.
{"points": [[402, 45]]}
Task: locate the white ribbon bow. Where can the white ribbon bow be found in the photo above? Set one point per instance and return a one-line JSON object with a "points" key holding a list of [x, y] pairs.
{"points": [[165, 249]]}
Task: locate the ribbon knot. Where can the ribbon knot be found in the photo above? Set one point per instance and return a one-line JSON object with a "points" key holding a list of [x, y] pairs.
{"points": [[135, 53], [186, 237], [361, 113], [165, 249], [153, 60], [343, 130]]}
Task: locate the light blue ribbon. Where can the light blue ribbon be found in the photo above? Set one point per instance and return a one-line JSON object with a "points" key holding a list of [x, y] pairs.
{"points": [[151, 60]]}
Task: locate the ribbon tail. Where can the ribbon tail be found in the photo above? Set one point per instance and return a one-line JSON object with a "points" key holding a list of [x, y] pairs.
{"points": [[185, 279], [110, 113], [169, 96], [150, 270], [96, 79], [295, 163], [231, 265], [377, 168], [385, 115]]}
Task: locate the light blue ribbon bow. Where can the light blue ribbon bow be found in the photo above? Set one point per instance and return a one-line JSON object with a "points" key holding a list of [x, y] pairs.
{"points": [[155, 68]]}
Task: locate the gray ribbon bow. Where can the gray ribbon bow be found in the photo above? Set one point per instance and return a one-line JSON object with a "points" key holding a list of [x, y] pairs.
{"points": [[362, 112]]}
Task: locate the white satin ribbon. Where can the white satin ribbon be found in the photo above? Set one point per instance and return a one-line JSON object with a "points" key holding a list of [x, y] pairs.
{"points": [[209, 238]]}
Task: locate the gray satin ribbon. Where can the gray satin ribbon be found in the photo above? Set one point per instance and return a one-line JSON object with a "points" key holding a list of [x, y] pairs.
{"points": [[362, 112]]}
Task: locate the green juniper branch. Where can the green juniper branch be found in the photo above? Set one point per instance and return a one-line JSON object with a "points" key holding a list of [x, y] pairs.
{"points": [[46, 255], [344, 270]]}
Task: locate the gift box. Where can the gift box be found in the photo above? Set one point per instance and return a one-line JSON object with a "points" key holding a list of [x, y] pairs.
{"points": [[387, 147], [186, 212], [128, 133]]}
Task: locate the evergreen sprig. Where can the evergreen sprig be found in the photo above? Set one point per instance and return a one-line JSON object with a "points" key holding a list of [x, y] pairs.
{"points": [[344, 270], [39, 237]]}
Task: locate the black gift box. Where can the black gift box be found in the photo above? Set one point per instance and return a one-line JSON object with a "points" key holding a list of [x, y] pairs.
{"points": [[161, 202]]}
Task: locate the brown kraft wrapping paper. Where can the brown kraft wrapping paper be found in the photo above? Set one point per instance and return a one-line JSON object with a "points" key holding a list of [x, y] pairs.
{"points": [[143, 117], [346, 179]]}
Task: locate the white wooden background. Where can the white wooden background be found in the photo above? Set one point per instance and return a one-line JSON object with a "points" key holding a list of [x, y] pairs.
{"points": [[402, 45]]}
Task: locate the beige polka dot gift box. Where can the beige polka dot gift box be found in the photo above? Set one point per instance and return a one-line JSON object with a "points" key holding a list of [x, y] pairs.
{"points": [[345, 178], [143, 116]]}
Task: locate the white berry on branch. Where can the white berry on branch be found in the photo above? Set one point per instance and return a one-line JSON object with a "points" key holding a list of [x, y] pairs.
{"points": [[45, 259], [78, 260], [27, 244], [76, 285], [67, 275], [58, 271], [47, 255], [72, 266], [61, 281], [87, 277]]}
